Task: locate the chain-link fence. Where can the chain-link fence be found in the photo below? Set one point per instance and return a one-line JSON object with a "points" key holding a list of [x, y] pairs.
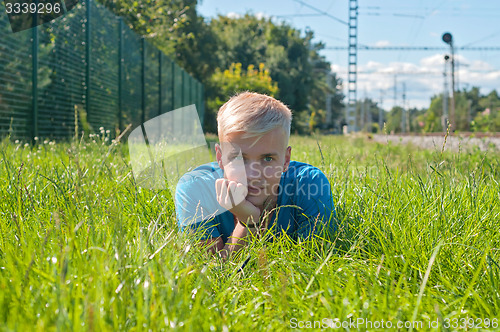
{"points": [[85, 69]]}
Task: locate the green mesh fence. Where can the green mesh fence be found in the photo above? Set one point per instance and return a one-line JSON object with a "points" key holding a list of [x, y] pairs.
{"points": [[61, 74], [16, 89], [85, 68]]}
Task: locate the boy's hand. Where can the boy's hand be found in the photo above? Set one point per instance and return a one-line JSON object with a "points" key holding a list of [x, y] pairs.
{"points": [[231, 195]]}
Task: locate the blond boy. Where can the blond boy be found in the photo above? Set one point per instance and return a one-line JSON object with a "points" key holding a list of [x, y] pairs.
{"points": [[253, 180]]}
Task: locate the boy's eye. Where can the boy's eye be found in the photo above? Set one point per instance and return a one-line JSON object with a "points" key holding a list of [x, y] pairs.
{"points": [[268, 158]]}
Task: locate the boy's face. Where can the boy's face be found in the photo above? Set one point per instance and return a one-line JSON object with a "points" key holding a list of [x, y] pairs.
{"points": [[257, 162]]}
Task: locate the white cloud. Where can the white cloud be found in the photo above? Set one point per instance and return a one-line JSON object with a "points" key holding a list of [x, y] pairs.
{"points": [[261, 15], [258, 15], [422, 80], [372, 65], [433, 61], [338, 69], [479, 65], [382, 43], [233, 15]]}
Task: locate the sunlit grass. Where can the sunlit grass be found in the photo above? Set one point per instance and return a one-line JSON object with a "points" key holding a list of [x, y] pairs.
{"points": [[83, 248]]}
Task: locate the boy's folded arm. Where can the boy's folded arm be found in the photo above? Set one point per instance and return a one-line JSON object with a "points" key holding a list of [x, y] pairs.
{"points": [[235, 242], [189, 215], [231, 195]]}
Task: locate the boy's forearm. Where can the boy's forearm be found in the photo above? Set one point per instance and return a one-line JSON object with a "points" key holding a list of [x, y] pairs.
{"points": [[236, 241], [238, 238], [248, 220]]}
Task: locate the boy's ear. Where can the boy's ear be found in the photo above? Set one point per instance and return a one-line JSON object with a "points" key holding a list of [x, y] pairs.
{"points": [[218, 155], [288, 155]]}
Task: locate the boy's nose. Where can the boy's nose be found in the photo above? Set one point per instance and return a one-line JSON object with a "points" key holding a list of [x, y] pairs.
{"points": [[253, 171]]}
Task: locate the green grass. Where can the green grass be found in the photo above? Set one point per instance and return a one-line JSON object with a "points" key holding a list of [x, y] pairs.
{"points": [[83, 248]]}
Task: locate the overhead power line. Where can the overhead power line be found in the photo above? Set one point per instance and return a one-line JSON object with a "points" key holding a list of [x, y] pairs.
{"points": [[414, 48], [322, 12], [400, 73], [299, 15], [395, 14]]}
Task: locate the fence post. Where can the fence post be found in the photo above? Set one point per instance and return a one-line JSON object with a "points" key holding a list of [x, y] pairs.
{"points": [[173, 84], [87, 60], [159, 91], [198, 103], [34, 87], [202, 102], [120, 73], [183, 102], [190, 90], [172, 93], [143, 80], [160, 96]]}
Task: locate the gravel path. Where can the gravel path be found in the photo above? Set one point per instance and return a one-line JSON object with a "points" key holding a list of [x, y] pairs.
{"points": [[436, 142]]}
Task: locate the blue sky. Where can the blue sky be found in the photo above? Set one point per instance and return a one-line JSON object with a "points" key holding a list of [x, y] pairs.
{"points": [[393, 23]]}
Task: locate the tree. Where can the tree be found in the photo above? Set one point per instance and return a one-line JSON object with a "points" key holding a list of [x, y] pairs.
{"points": [[473, 112], [292, 59], [393, 124], [433, 116], [234, 80], [325, 84], [488, 118]]}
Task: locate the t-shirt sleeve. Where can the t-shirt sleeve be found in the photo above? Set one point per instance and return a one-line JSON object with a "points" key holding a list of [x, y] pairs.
{"points": [[314, 198], [195, 209]]}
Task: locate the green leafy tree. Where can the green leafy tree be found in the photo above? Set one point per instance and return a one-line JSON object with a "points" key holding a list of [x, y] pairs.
{"points": [[473, 112], [433, 116], [234, 80], [393, 124], [488, 118], [291, 57], [325, 84]]}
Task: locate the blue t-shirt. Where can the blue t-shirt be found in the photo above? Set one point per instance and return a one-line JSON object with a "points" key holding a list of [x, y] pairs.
{"points": [[305, 203]]}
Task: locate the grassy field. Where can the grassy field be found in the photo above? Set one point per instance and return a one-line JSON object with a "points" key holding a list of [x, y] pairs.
{"points": [[83, 248]]}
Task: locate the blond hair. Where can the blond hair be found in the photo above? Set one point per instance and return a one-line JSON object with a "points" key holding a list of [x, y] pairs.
{"points": [[254, 114]]}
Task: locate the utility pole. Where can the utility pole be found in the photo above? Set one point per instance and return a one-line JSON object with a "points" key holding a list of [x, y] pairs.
{"points": [[362, 117], [408, 117], [444, 118], [364, 113], [448, 39], [369, 120], [395, 90], [469, 115], [381, 112], [353, 65], [452, 113], [328, 105], [403, 115], [368, 113]]}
